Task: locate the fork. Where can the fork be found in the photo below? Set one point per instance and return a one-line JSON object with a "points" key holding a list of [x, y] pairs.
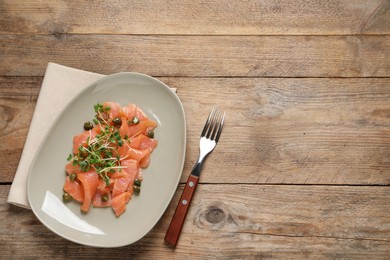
{"points": [[208, 140]]}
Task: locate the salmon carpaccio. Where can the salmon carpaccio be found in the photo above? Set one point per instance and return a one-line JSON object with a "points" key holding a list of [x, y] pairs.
{"points": [[104, 169]]}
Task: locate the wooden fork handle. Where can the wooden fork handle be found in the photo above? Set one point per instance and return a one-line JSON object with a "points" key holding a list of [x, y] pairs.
{"points": [[174, 230]]}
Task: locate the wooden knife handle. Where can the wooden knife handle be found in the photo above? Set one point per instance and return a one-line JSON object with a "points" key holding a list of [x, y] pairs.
{"points": [[174, 230]]}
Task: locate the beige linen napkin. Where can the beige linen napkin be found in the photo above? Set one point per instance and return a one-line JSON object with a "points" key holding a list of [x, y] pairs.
{"points": [[60, 85]]}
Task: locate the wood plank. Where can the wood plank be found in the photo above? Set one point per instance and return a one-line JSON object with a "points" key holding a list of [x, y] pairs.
{"points": [[307, 131], [278, 130], [196, 17], [200, 56], [256, 221], [17, 102]]}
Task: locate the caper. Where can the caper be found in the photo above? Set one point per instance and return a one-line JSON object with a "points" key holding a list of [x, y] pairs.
{"points": [[137, 182], [133, 121], [150, 134], [73, 176], [105, 198], [88, 126], [136, 189], [66, 197], [117, 121]]}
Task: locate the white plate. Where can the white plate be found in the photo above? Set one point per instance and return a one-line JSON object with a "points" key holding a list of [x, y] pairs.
{"points": [[100, 227]]}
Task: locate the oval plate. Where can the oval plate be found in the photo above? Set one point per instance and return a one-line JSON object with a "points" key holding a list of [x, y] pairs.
{"points": [[99, 227]]}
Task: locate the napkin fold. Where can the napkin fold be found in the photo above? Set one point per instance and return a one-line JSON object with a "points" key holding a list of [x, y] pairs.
{"points": [[60, 85]]}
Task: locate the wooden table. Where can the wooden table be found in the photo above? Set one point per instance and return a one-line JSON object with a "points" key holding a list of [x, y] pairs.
{"points": [[302, 169]]}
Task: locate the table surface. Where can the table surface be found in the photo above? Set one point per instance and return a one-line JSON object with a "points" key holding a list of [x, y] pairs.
{"points": [[302, 169]]}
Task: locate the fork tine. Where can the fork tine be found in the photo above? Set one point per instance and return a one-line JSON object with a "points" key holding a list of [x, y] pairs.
{"points": [[207, 123], [220, 127], [217, 121], [213, 123]]}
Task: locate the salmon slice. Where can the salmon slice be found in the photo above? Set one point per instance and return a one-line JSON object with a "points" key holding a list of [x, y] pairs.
{"points": [[137, 155], [102, 185], [71, 169], [122, 150], [143, 127], [121, 184], [74, 189], [82, 138], [79, 140], [133, 131], [115, 110], [130, 153], [131, 167], [132, 110], [97, 198], [144, 163], [135, 142], [90, 182], [147, 143], [118, 174], [149, 125], [124, 128], [118, 203], [139, 175]]}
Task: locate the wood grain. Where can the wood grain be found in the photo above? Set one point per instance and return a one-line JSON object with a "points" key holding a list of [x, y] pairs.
{"points": [[302, 169], [200, 56], [196, 17], [240, 221], [281, 131], [17, 102]]}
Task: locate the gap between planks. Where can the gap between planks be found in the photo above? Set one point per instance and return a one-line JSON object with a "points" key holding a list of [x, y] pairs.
{"points": [[197, 35], [324, 237], [225, 77]]}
